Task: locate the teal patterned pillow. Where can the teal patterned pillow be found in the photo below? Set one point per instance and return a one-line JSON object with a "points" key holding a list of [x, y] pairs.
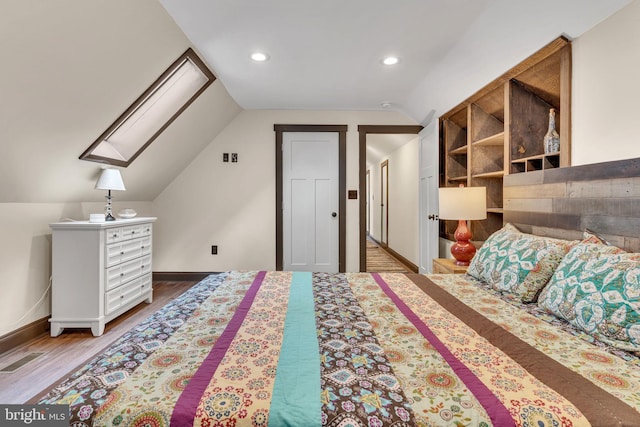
{"points": [[517, 263], [480, 266], [596, 288]]}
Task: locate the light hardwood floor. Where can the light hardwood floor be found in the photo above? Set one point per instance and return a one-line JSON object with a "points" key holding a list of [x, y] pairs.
{"points": [[380, 261], [65, 353]]}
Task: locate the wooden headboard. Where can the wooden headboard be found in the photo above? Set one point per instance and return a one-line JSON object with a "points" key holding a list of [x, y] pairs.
{"points": [[563, 202]]}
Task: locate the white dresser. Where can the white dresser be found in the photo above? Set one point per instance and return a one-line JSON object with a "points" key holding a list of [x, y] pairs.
{"points": [[99, 271]]}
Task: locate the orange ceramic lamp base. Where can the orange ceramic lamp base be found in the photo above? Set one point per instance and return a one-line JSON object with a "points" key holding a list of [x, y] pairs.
{"points": [[462, 250]]}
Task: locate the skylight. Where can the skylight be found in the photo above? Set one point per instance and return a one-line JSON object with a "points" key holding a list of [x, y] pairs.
{"points": [[152, 112]]}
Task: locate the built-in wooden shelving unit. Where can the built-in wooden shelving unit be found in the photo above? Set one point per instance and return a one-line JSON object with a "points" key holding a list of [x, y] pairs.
{"points": [[500, 130]]}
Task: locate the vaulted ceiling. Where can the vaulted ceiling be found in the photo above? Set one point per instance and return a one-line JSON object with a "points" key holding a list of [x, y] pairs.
{"points": [[327, 54], [71, 67]]}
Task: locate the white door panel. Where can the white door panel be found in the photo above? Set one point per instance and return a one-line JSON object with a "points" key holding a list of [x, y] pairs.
{"points": [[310, 197], [325, 237], [299, 201], [429, 227]]}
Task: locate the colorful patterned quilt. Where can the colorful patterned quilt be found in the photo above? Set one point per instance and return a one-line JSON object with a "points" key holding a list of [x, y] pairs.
{"points": [[350, 349]]}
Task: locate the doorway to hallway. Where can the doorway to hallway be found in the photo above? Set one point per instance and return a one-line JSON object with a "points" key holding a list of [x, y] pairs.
{"points": [[380, 212]]}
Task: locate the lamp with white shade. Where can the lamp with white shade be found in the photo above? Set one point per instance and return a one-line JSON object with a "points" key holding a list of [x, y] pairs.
{"points": [[110, 179], [462, 204]]}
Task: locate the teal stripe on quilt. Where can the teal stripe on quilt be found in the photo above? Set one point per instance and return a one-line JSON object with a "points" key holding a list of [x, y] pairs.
{"points": [[296, 392]]}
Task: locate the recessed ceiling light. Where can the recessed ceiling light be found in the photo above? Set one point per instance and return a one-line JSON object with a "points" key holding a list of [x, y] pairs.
{"points": [[385, 104], [259, 56], [390, 60]]}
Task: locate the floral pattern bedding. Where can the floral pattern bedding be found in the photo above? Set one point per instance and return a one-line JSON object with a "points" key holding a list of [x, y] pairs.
{"points": [[354, 349]]}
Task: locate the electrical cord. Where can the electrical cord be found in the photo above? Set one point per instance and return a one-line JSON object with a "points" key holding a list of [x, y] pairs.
{"points": [[19, 321]]}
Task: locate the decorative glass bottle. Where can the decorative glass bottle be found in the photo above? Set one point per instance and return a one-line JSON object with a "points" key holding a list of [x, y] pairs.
{"points": [[552, 139]]}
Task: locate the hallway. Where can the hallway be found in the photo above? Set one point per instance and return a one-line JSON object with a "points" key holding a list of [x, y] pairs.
{"points": [[379, 260]]}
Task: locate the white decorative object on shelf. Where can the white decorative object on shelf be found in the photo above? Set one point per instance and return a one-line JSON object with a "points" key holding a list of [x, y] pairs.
{"points": [[96, 217], [127, 213], [552, 139]]}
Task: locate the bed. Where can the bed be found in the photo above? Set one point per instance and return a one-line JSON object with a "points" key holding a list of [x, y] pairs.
{"points": [[541, 332], [303, 349]]}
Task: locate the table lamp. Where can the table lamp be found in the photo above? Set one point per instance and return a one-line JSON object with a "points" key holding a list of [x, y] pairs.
{"points": [[461, 204], [110, 179]]}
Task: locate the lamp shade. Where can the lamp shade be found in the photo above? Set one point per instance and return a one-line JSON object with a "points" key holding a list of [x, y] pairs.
{"points": [[110, 179], [462, 203]]}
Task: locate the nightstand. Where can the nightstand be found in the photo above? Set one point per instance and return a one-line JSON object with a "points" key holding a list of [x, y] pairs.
{"points": [[447, 266]]}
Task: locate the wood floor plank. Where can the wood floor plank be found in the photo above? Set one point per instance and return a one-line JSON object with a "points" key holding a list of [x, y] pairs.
{"points": [[379, 261], [65, 353]]}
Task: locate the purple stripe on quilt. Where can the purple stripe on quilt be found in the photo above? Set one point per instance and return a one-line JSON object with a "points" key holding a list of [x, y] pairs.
{"points": [[499, 415], [185, 409]]}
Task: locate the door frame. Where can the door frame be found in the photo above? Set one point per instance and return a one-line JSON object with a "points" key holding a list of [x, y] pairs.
{"points": [[384, 203], [429, 225], [363, 131], [342, 187], [368, 202]]}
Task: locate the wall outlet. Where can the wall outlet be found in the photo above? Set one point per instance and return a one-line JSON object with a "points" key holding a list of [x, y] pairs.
{"points": [[225, 157], [214, 249], [234, 157]]}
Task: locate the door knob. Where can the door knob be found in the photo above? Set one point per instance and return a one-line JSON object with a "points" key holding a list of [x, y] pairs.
{"points": [[433, 217], [333, 214]]}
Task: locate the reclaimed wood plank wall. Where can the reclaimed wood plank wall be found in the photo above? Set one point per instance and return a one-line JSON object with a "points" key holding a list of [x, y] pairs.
{"points": [[563, 202]]}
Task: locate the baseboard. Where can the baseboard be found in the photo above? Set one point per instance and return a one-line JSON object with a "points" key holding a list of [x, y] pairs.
{"points": [[178, 276], [24, 334], [402, 259]]}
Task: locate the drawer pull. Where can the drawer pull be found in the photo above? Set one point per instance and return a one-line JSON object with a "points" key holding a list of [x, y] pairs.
{"points": [[121, 296], [121, 274], [122, 253], [115, 235], [141, 247], [142, 266]]}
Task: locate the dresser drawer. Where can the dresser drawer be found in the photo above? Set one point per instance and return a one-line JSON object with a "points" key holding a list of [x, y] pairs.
{"points": [[122, 273], [113, 235], [117, 253], [135, 231], [127, 293], [118, 234]]}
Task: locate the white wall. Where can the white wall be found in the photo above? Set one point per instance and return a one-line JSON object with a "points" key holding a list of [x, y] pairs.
{"points": [[606, 89], [232, 205], [404, 185]]}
